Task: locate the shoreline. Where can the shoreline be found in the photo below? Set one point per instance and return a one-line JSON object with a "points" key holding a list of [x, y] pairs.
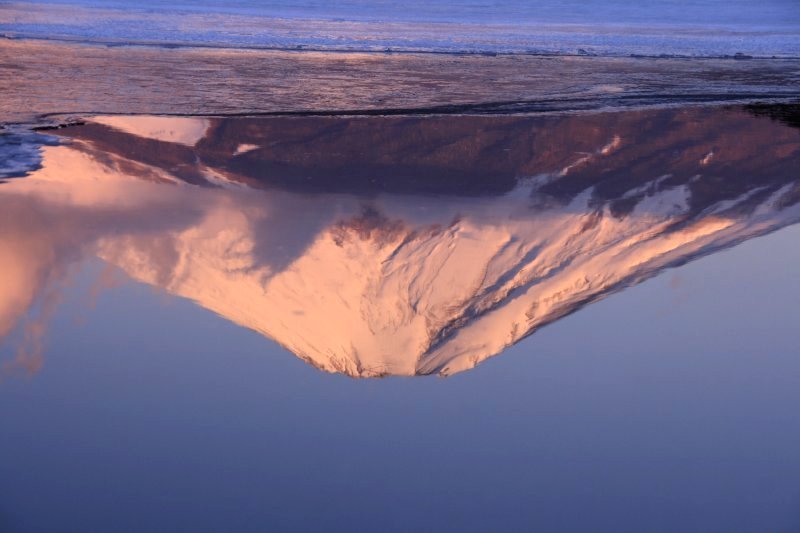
{"points": [[382, 50], [488, 109], [47, 78]]}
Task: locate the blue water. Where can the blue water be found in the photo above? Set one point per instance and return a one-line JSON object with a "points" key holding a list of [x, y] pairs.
{"points": [[669, 407], [612, 27], [730, 13]]}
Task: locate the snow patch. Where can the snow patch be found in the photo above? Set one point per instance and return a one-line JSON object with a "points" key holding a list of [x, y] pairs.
{"points": [[606, 149], [612, 145], [181, 130], [244, 148]]}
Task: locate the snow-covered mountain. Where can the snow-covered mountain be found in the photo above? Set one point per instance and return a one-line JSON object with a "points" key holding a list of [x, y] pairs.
{"points": [[373, 283]]}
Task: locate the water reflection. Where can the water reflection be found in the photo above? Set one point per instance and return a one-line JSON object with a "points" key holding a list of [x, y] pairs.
{"points": [[393, 246]]}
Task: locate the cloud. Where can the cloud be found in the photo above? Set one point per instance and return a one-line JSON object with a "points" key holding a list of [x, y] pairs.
{"points": [[29, 358]]}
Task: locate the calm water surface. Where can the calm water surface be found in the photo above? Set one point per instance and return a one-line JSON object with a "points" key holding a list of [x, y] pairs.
{"points": [[195, 312], [704, 28]]}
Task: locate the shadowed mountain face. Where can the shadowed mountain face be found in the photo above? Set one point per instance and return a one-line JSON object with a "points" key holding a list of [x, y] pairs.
{"points": [[395, 245], [455, 155]]}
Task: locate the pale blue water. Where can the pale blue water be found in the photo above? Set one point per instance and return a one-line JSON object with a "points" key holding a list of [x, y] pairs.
{"points": [[613, 27], [731, 13], [670, 407]]}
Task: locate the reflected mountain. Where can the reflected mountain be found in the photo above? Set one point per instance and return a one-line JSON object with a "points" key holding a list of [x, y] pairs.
{"points": [[375, 246]]}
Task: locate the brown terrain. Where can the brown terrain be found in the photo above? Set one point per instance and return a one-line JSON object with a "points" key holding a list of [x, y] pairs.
{"points": [[732, 149]]}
